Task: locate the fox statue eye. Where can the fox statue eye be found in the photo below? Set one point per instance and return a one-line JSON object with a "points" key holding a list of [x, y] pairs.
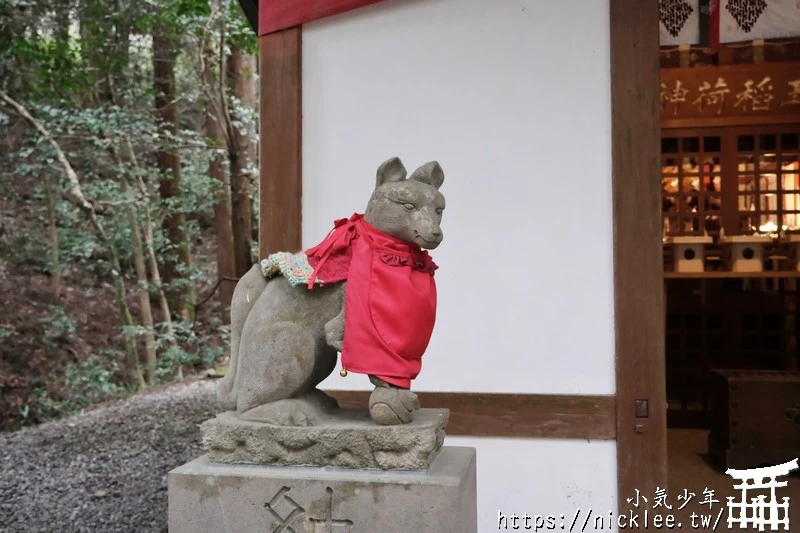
{"points": [[439, 210], [409, 207]]}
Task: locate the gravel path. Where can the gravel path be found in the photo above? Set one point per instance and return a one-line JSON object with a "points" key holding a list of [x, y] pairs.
{"points": [[104, 470]]}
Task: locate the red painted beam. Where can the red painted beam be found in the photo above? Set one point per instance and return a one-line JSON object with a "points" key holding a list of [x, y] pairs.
{"points": [[276, 15]]}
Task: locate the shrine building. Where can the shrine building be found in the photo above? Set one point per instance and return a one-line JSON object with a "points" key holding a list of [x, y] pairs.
{"points": [[622, 232]]}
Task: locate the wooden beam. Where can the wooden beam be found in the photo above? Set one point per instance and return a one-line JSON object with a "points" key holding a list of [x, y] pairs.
{"points": [[276, 15], [772, 274], [514, 415], [638, 263], [722, 122], [280, 197]]}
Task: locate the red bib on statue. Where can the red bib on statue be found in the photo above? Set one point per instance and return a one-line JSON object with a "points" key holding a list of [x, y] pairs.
{"points": [[390, 299]]}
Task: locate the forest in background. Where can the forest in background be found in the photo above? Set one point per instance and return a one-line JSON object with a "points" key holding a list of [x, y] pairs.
{"points": [[128, 162]]}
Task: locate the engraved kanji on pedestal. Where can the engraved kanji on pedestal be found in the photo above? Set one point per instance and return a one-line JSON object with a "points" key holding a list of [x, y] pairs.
{"points": [[330, 524], [287, 520], [285, 523]]}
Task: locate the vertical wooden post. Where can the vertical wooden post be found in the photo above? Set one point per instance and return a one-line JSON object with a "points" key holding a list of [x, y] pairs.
{"points": [[280, 151], [729, 177], [638, 264]]}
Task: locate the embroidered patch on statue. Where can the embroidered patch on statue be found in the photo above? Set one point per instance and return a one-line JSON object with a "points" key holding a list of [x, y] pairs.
{"points": [[294, 267]]}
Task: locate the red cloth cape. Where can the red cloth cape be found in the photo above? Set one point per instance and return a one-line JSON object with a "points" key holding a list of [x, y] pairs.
{"points": [[390, 299]]}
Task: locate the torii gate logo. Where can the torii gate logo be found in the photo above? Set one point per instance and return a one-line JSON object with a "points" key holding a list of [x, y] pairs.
{"points": [[759, 511]]}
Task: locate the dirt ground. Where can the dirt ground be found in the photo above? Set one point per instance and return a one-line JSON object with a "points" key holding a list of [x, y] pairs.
{"points": [[104, 470]]}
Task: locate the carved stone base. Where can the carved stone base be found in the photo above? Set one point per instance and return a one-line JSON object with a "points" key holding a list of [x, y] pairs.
{"points": [[207, 497], [348, 440]]}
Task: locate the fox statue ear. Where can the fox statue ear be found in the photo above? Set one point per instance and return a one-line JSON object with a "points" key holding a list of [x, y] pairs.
{"points": [[430, 173], [390, 170]]}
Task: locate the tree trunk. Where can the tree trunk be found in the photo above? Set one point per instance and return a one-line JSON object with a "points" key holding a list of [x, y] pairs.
{"points": [[121, 46], [141, 289], [155, 274], [222, 206], [170, 186], [131, 353], [52, 233], [222, 221], [241, 73], [96, 34]]}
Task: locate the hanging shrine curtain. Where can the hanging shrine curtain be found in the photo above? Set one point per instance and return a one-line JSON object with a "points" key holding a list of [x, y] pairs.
{"points": [[713, 22]]}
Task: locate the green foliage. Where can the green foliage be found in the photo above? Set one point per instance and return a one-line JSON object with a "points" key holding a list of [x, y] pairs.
{"points": [[239, 30], [85, 72], [193, 350], [59, 326], [89, 382], [92, 381], [56, 67], [5, 333]]}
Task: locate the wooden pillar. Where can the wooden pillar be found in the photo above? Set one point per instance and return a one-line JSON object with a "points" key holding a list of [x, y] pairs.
{"points": [[638, 261], [280, 151]]}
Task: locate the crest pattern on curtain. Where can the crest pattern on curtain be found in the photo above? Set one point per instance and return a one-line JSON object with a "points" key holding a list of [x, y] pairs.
{"points": [[745, 20], [710, 22], [679, 21]]}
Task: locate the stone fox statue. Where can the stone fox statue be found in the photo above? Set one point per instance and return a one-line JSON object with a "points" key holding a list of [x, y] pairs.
{"points": [[288, 316]]}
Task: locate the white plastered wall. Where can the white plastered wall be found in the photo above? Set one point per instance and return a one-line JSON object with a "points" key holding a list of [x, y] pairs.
{"points": [[512, 97]]}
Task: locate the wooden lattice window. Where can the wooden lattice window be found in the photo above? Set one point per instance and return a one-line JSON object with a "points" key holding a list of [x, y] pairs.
{"points": [[692, 184], [742, 180], [768, 170]]}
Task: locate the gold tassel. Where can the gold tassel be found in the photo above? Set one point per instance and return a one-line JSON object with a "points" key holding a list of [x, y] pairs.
{"points": [[758, 51], [685, 55]]}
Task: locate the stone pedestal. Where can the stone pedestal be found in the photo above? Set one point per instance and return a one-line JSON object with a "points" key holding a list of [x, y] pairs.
{"points": [[746, 251], [212, 497], [347, 439], [689, 252]]}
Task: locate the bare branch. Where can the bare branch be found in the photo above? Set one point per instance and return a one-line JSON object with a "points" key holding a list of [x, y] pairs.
{"points": [[74, 193]]}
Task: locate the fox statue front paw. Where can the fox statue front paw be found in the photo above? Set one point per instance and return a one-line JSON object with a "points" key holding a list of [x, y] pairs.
{"points": [[389, 405]]}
